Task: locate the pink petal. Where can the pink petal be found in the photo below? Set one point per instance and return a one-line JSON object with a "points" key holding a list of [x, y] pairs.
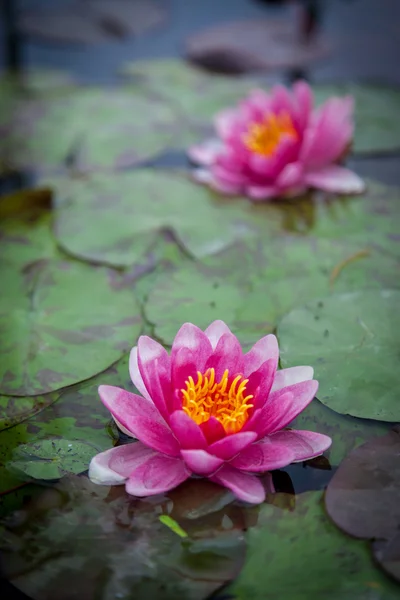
{"points": [[304, 444], [201, 462], [281, 100], [227, 355], [231, 445], [225, 122], [122, 428], [155, 369], [260, 383], [262, 192], [156, 475], [264, 456], [205, 153], [183, 367], [282, 407], [192, 338], [213, 430], [229, 177], [329, 133], [245, 487], [187, 432], [215, 331], [286, 377], [266, 348], [290, 176], [206, 177], [304, 100], [128, 457], [134, 372], [140, 417], [100, 471], [335, 179]]}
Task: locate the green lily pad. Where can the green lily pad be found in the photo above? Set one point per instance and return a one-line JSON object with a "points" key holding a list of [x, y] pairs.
{"points": [[49, 314], [198, 94], [116, 547], [376, 114], [15, 409], [253, 284], [363, 497], [351, 340], [115, 218], [90, 128], [51, 458], [300, 554]]}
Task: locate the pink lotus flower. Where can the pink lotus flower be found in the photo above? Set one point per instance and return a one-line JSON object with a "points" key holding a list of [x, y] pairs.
{"points": [[209, 410], [276, 144]]}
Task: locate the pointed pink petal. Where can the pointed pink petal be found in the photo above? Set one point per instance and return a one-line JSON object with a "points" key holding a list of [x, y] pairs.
{"points": [[183, 367], [134, 372], [260, 383], [282, 407], [286, 377], [192, 338], [335, 179], [225, 122], [156, 475], [100, 471], [259, 193], [227, 355], [304, 444], [245, 487], [128, 457], [155, 369], [264, 456], [304, 100], [268, 483], [290, 176], [215, 331], [263, 350], [187, 432], [201, 462], [281, 100], [231, 445], [205, 153], [213, 430], [140, 417], [122, 428]]}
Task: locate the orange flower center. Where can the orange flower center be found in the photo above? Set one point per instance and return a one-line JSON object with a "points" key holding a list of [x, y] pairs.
{"points": [[263, 138], [225, 401]]}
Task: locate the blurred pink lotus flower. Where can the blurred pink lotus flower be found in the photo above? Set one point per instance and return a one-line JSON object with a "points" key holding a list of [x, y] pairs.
{"points": [[207, 409], [277, 144]]}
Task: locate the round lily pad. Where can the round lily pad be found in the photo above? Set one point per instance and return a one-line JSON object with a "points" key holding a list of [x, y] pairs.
{"points": [[90, 128], [376, 114], [51, 459], [351, 340], [363, 497], [115, 218], [61, 322], [299, 554]]}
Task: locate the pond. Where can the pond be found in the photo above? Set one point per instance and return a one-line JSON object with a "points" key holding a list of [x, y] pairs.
{"points": [[199, 315]]}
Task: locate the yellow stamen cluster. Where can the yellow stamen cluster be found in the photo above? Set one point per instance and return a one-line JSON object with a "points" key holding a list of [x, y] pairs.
{"points": [[263, 138], [225, 401]]}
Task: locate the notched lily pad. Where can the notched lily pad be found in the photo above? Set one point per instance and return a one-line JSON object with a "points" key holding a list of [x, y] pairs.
{"points": [[351, 340], [300, 554], [363, 497], [52, 312], [115, 219], [51, 459], [376, 114]]}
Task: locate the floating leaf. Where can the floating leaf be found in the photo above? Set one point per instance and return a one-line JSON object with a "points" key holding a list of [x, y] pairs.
{"points": [[51, 458], [15, 409], [300, 555], [363, 497], [253, 284], [119, 544], [49, 314], [351, 340], [197, 94], [376, 114], [89, 128], [115, 218]]}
